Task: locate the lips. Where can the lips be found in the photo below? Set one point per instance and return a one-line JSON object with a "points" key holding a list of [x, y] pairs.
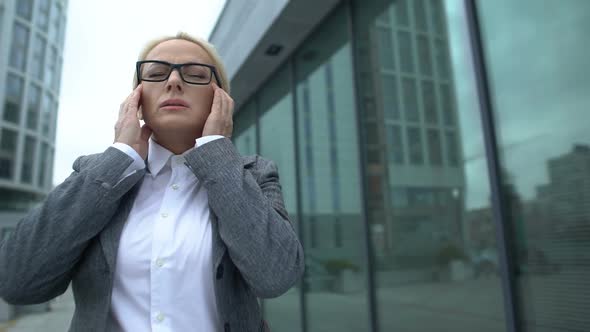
{"points": [[174, 104]]}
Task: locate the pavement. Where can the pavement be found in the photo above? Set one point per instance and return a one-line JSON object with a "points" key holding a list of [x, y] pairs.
{"points": [[553, 305]]}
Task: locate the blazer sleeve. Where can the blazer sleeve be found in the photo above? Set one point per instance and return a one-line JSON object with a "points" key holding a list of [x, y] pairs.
{"points": [[37, 260], [253, 222]]}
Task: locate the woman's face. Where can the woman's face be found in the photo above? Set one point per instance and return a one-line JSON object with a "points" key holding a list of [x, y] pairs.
{"points": [[198, 98]]}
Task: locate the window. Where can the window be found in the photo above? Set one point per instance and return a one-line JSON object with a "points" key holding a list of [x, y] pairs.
{"points": [[33, 105], [37, 65], [43, 14], [415, 144], [57, 76], [24, 9], [406, 52], [425, 204], [44, 162], [441, 55], [385, 48], [389, 96], [447, 104], [396, 146], [13, 99], [50, 71], [434, 147], [402, 13], [245, 129], [56, 22], [28, 160], [18, 51], [410, 100], [420, 15], [541, 108], [452, 149], [429, 102], [424, 56], [8, 142], [277, 142], [328, 163], [46, 114]]}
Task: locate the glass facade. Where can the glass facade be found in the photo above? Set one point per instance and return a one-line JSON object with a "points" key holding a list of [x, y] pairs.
{"points": [[38, 57], [435, 162], [13, 98], [544, 150], [275, 128], [7, 153], [33, 31], [329, 163], [24, 9], [29, 160], [43, 7], [19, 47], [425, 162]]}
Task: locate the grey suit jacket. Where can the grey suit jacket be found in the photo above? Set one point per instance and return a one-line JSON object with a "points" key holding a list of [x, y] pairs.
{"points": [[73, 236]]}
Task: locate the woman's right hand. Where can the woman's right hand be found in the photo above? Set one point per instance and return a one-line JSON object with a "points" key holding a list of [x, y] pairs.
{"points": [[128, 129]]}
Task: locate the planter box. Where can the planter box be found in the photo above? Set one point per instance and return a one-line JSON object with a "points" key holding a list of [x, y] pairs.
{"points": [[457, 270], [348, 281]]}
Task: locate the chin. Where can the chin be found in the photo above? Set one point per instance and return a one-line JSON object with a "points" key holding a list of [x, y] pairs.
{"points": [[175, 124]]}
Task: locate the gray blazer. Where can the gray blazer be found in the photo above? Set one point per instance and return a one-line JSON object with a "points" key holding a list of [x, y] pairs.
{"points": [[74, 236]]}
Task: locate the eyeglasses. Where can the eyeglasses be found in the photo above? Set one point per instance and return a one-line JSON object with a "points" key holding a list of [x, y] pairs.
{"points": [[192, 72]]}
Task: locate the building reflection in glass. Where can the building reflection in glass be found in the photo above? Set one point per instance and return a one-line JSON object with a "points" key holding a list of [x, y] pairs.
{"points": [[432, 234], [541, 104]]}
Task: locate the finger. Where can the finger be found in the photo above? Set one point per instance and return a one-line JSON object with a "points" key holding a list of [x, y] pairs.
{"points": [[133, 104], [217, 103], [125, 104], [223, 102], [227, 104]]}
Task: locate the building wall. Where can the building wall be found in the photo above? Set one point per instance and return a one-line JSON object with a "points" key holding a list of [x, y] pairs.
{"points": [[30, 73], [434, 159], [31, 58]]}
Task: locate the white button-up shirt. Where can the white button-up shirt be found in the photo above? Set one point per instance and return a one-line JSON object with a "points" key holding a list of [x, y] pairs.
{"points": [[164, 273]]}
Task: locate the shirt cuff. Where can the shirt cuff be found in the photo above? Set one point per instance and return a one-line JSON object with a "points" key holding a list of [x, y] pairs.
{"points": [[206, 139], [138, 163]]}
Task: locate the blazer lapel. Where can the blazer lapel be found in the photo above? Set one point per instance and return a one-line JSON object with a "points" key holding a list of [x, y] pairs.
{"points": [[110, 235]]}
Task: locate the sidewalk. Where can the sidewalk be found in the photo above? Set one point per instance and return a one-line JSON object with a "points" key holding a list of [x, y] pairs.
{"points": [[56, 320]]}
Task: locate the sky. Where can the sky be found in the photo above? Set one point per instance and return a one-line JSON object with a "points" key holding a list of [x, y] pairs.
{"points": [[103, 40]]}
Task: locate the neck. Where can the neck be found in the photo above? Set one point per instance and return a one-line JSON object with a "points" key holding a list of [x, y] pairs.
{"points": [[175, 142]]}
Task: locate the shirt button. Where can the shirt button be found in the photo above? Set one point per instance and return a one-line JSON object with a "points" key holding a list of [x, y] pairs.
{"points": [[175, 187], [164, 215], [160, 317], [159, 262]]}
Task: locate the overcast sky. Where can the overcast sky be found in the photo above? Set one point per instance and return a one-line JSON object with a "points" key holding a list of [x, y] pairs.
{"points": [[103, 40]]}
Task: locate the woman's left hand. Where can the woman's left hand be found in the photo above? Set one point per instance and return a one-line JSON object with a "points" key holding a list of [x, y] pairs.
{"points": [[220, 121]]}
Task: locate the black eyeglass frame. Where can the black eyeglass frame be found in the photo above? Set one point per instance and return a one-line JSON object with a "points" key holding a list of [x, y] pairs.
{"points": [[176, 66]]}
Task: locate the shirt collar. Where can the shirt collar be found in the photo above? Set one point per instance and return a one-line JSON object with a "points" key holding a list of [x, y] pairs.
{"points": [[158, 157]]}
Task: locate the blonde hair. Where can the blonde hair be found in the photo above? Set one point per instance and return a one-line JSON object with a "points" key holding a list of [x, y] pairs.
{"points": [[205, 45]]}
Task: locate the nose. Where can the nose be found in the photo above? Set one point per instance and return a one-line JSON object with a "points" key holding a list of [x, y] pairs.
{"points": [[174, 82]]}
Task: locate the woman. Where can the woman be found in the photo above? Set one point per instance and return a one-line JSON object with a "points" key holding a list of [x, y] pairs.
{"points": [[170, 228]]}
